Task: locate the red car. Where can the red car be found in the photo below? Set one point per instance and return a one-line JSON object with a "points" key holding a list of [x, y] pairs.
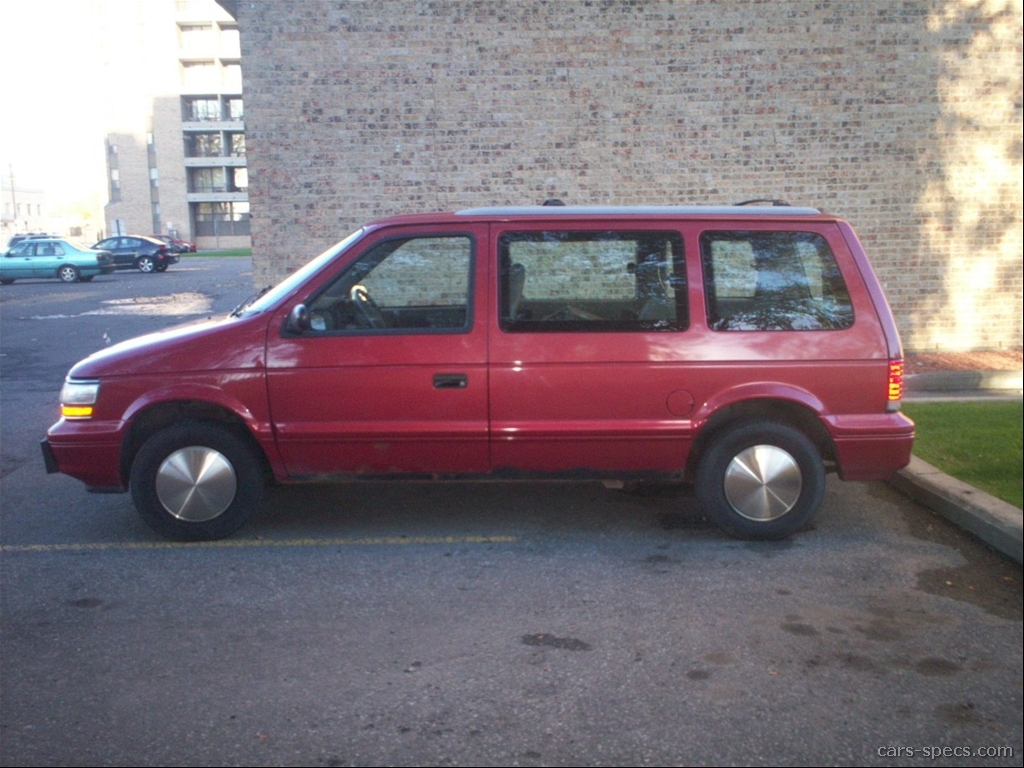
{"points": [[174, 245], [746, 350]]}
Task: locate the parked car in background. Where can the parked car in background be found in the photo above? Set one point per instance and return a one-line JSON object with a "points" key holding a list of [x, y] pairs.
{"points": [[175, 245], [745, 350], [54, 257], [138, 252], [15, 239]]}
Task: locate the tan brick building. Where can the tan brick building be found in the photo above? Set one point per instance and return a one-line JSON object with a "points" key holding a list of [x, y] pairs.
{"points": [[904, 117]]}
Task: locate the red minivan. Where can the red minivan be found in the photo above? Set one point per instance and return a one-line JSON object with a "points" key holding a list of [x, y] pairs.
{"points": [[746, 350]]}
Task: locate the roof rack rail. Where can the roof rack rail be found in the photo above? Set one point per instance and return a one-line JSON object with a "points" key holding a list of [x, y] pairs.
{"points": [[762, 200]]}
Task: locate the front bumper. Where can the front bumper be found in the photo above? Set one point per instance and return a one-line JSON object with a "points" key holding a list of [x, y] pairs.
{"points": [[48, 458], [90, 452]]}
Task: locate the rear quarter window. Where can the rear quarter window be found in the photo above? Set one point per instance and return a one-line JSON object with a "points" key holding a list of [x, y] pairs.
{"points": [[773, 281]]}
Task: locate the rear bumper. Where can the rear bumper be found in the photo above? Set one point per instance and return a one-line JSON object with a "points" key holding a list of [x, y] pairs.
{"points": [[871, 447]]}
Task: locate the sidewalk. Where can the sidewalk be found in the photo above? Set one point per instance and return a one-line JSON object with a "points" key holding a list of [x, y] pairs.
{"points": [[979, 375]]}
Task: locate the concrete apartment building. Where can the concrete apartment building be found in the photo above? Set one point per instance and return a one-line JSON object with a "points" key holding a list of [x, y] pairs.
{"points": [[903, 116], [176, 154]]}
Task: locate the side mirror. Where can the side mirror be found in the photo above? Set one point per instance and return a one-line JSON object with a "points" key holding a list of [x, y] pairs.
{"points": [[298, 320]]}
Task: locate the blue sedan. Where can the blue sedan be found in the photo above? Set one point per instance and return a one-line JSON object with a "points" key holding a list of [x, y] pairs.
{"points": [[54, 257]]}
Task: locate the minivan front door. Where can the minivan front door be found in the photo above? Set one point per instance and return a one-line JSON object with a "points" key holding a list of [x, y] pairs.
{"points": [[388, 375]]}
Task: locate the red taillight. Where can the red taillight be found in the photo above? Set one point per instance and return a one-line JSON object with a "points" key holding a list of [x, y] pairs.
{"points": [[895, 381]]}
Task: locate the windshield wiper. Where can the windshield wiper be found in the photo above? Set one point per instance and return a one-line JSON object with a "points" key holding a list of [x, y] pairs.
{"points": [[237, 311]]}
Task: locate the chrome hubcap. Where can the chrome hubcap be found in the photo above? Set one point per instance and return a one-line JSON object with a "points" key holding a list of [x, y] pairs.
{"points": [[763, 482], [196, 483]]}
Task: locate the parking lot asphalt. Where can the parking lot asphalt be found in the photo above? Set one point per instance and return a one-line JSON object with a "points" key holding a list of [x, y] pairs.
{"points": [[492, 624], [994, 521]]}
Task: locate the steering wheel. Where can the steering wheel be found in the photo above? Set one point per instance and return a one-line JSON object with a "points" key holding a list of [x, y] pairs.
{"points": [[366, 307]]}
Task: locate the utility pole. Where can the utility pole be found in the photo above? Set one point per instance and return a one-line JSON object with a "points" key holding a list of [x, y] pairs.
{"points": [[14, 197]]}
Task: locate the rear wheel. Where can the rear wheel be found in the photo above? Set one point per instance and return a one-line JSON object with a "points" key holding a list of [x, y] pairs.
{"points": [[761, 481], [196, 481], [68, 273], [145, 264]]}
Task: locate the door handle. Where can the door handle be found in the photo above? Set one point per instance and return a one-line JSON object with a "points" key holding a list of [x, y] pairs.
{"points": [[450, 381]]}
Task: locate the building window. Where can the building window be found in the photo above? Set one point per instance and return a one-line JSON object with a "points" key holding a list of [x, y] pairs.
{"points": [[232, 75], [199, 76], [237, 142], [233, 108], [230, 43], [239, 179], [203, 145], [196, 38], [221, 219], [201, 109], [206, 180]]}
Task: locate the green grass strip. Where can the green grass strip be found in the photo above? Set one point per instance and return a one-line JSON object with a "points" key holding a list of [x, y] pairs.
{"points": [[977, 442], [220, 254]]}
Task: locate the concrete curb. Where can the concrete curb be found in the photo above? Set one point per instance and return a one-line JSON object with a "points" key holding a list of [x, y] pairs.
{"points": [[992, 520]]}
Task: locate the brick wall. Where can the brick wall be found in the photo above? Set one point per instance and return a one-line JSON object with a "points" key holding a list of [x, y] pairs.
{"points": [[904, 117]]}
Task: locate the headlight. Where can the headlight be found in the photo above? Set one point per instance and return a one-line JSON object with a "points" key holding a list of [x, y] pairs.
{"points": [[78, 397]]}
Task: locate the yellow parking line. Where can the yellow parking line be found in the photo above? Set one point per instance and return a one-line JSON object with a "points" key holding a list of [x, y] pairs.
{"points": [[369, 541]]}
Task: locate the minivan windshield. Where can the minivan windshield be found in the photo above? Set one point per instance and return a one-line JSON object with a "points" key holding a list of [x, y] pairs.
{"points": [[271, 295]]}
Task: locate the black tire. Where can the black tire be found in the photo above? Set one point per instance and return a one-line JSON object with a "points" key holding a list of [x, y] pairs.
{"points": [[196, 481], [85, 279], [145, 264], [760, 481], [7, 281], [161, 268], [68, 273]]}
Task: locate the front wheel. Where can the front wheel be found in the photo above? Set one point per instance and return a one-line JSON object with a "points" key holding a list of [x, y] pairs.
{"points": [[760, 481], [196, 481], [68, 273]]}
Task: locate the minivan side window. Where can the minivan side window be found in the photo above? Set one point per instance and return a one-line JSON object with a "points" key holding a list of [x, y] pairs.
{"points": [[592, 281], [773, 281], [415, 284]]}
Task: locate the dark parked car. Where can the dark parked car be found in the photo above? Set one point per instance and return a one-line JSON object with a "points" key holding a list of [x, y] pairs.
{"points": [[53, 257], [137, 252], [745, 350]]}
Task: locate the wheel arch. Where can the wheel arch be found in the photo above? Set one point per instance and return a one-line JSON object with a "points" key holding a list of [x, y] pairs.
{"points": [[157, 416], [774, 409]]}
